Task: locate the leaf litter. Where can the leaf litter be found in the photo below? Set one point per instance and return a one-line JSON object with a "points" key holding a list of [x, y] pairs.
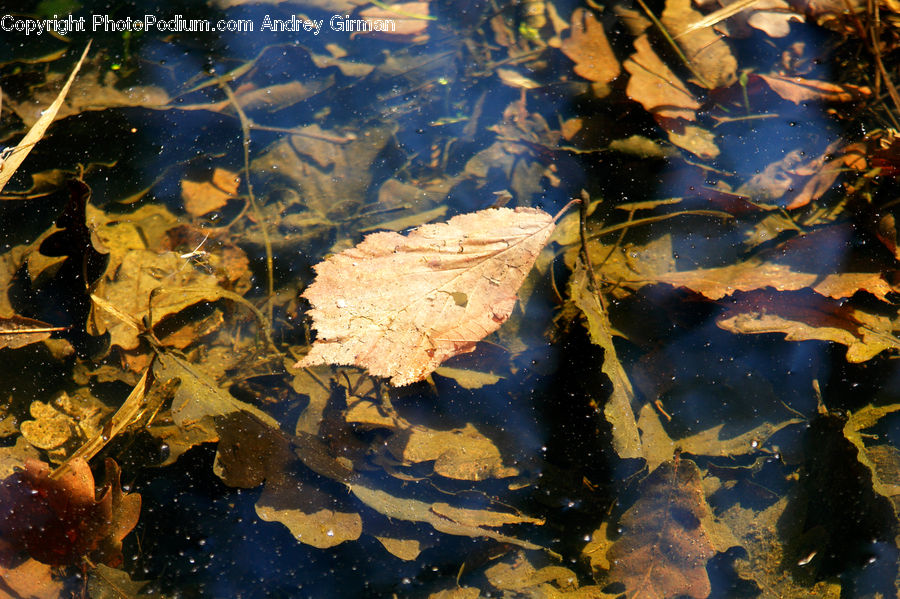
{"points": [[411, 394]]}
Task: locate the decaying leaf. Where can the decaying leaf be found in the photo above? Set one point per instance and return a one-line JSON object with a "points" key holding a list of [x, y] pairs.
{"points": [[41, 124], [463, 454], [798, 89], [518, 577], [18, 331], [665, 544], [202, 197], [618, 410], [400, 305], [805, 317], [708, 54], [655, 86], [32, 579], [589, 49], [59, 520]]}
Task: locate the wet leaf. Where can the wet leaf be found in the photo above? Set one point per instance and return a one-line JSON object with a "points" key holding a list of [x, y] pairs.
{"points": [[108, 583], [656, 87], [459, 285], [202, 197], [31, 579], [405, 549], [18, 331], [40, 125], [698, 141], [798, 89], [59, 520], [708, 54], [665, 545], [463, 454], [413, 510], [803, 318], [618, 410], [62, 424], [521, 579], [410, 21], [589, 49]]}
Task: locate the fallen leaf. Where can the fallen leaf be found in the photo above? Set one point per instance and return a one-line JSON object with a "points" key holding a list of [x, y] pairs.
{"points": [[463, 454], [45, 118], [804, 317], [716, 283], [698, 141], [405, 549], [18, 331], [108, 583], [708, 54], [31, 579], [203, 197], [618, 410], [665, 545], [798, 89], [59, 520], [400, 305], [589, 49], [410, 21], [656, 87]]}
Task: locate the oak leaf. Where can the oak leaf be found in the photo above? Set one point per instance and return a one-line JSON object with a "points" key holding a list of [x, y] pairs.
{"points": [[400, 305], [656, 87], [589, 49]]}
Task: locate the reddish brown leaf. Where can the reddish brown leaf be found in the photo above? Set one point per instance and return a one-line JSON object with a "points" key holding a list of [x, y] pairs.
{"points": [[400, 305], [798, 89], [57, 520], [589, 49], [664, 545], [655, 86]]}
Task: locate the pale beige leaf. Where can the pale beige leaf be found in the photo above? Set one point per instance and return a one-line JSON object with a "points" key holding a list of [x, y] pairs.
{"points": [[400, 305]]}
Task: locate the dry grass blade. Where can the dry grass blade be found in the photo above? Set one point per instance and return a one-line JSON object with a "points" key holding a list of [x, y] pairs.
{"points": [[37, 130]]}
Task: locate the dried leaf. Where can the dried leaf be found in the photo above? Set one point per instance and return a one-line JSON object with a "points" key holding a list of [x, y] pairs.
{"points": [[40, 126], [798, 89], [206, 196], [18, 331], [463, 454], [400, 305], [708, 54], [655, 86], [802, 318], [589, 49], [665, 545], [618, 410]]}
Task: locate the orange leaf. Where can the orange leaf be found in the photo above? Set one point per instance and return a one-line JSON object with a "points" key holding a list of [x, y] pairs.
{"points": [[655, 86], [798, 89], [400, 305], [589, 49]]}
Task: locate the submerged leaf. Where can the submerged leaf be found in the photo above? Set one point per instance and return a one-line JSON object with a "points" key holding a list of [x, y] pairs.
{"points": [[655, 86], [665, 545], [400, 305]]}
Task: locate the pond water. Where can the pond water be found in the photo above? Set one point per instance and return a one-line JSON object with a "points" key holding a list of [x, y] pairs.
{"points": [[680, 385]]}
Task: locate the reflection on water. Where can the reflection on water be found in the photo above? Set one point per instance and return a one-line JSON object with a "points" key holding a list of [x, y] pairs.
{"points": [[692, 397]]}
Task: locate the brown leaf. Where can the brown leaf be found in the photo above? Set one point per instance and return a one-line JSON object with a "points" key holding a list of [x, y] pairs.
{"points": [[708, 54], [202, 197], [405, 549], [400, 305], [804, 317], [58, 520], [589, 49], [798, 89], [716, 283], [665, 545], [18, 331], [463, 454], [410, 21], [655, 86], [31, 579]]}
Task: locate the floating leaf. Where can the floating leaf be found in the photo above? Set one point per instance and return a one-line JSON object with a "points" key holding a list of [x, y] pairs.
{"points": [[665, 545], [589, 49], [655, 86], [798, 89], [400, 305], [804, 317], [707, 53]]}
